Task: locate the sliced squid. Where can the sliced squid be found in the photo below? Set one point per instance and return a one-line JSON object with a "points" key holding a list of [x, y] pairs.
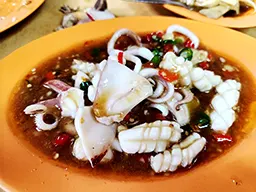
{"points": [[223, 116], [120, 89], [199, 56], [35, 109], [119, 33], [140, 51], [126, 57], [85, 67], [78, 152], [161, 107], [116, 145], [180, 65], [163, 91], [88, 71], [43, 111], [43, 125], [70, 98], [79, 78], [182, 114], [204, 80], [96, 138], [181, 154], [149, 137], [70, 101], [177, 28]]}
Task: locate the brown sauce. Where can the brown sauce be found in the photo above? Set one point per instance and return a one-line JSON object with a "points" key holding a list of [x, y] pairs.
{"points": [[31, 90]]}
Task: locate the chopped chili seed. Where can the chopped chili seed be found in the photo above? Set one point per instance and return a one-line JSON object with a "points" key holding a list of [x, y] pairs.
{"points": [[204, 65], [159, 34], [149, 38], [149, 65], [210, 57], [168, 47], [127, 117], [62, 139], [49, 76], [168, 75], [120, 57], [222, 138], [189, 44], [159, 116]]}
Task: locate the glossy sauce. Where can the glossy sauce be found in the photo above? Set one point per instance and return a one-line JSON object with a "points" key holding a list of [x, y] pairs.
{"points": [[31, 90]]}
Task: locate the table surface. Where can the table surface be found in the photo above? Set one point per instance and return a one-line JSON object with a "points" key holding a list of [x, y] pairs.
{"points": [[47, 18]]}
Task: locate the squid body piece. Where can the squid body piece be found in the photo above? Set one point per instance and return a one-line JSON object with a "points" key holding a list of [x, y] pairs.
{"points": [[204, 80], [178, 64], [88, 71], [86, 67], [199, 56], [96, 138], [223, 116], [119, 90], [78, 152], [149, 137], [177, 28], [70, 101], [181, 154]]}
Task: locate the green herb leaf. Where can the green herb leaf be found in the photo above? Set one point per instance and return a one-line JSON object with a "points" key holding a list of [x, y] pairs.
{"points": [[156, 60]]}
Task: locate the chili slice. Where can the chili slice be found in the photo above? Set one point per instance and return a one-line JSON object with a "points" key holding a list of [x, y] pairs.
{"points": [[120, 57], [222, 138], [189, 44], [90, 17], [204, 65], [186, 53], [62, 139], [49, 76], [168, 75], [156, 60]]}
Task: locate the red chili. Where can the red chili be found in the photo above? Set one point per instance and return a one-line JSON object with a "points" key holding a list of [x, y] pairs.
{"points": [[49, 76], [90, 17], [210, 57], [168, 75], [149, 38], [189, 44], [159, 34], [222, 138], [127, 117], [159, 116], [204, 65], [62, 139], [167, 47], [149, 65], [120, 57]]}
